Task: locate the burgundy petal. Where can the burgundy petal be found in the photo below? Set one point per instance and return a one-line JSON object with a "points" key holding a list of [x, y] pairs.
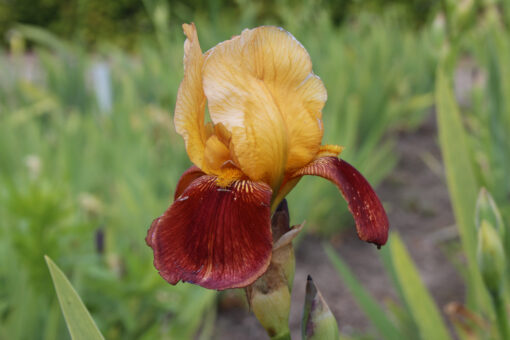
{"points": [[187, 177], [215, 237], [366, 208]]}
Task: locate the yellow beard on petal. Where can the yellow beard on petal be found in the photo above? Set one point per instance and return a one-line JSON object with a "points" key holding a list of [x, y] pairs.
{"points": [[219, 159], [329, 150], [227, 175]]}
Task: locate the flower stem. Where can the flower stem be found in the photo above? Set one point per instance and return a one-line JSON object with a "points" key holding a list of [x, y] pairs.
{"points": [[501, 315]]}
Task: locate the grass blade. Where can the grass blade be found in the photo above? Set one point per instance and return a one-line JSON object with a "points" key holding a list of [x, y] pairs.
{"points": [[370, 307], [462, 184], [79, 322], [422, 307]]}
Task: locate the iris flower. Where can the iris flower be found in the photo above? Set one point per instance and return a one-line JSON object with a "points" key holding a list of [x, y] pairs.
{"points": [[265, 106]]}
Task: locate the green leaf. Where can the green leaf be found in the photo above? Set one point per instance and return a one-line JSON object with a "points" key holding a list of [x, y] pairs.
{"points": [[403, 318], [79, 322], [44, 38], [370, 307], [422, 307], [462, 184], [503, 54]]}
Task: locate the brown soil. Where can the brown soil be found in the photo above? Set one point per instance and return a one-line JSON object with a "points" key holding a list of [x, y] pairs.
{"points": [[418, 208]]}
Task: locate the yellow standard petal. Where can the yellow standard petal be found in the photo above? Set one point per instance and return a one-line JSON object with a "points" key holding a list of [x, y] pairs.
{"points": [[300, 95], [241, 101], [260, 85], [190, 106]]}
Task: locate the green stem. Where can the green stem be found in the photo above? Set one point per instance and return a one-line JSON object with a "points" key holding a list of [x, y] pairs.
{"points": [[501, 315]]}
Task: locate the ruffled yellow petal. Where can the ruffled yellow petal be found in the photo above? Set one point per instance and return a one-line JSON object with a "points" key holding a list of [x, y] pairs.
{"points": [[286, 69], [260, 85], [190, 106], [240, 100], [304, 121]]}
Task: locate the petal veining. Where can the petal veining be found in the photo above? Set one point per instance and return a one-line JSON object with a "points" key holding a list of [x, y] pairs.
{"points": [[366, 208], [215, 237], [186, 179]]}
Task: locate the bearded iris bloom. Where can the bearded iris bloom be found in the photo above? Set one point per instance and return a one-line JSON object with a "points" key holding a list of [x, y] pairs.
{"points": [[265, 105]]}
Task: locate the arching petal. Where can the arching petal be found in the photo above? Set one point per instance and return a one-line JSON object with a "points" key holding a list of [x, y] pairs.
{"points": [[215, 237], [366, 208], [187, 177], [260, 85], [190, 105], [303, 116]]}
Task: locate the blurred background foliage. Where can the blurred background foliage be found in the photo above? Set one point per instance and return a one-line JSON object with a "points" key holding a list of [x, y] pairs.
{"points": [[474, 137], [126, 21], [89, 156]]}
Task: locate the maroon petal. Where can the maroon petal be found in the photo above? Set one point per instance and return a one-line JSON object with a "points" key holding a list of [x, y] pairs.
{"points": [[215, 237], [366, 208], [187, 177]]}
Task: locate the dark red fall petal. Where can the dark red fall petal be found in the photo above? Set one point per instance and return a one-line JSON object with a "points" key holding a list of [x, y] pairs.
{"points": [[366, 208], [186, 178], [215, 237]]}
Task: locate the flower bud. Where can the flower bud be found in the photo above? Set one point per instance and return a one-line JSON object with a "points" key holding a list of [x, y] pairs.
{"points": [[283, 254], [486, 209], [491, 257], [318, 321], [283, 235], [269, 297]]}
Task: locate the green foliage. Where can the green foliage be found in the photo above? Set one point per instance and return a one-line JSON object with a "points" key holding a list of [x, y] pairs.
{"points": [[488, 119], [81, 180], [379, 78], [79, 322], [459, 170], [82, 185], [367, 303], [474, 143], [418, 314], [475, 146], [421, 305], [126, 22]]}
